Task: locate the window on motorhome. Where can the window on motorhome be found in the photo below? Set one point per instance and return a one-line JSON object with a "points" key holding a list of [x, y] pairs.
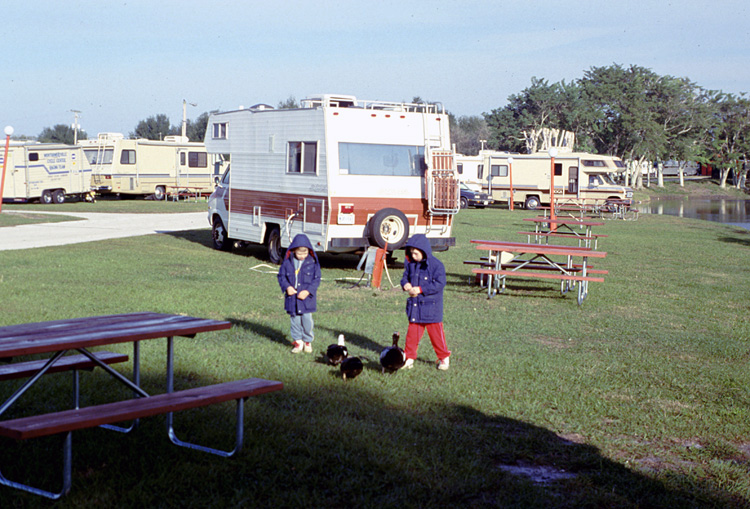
{"points": [[387, 160], [499, 170], [558, 169], [96, 156], [480, 171], [127, 157], [302, 157], [197, 160], [460, 168], [33, 156], [220, 131], [593, 162]]}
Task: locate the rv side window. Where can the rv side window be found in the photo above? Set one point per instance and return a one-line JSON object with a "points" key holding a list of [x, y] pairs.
{"points": [[96, 156], [220, 131], [302, 157], [127, 157], [460, 168], [33, 156], [594, 162], [182, 159], [390, 160], [480, 171], [197, 160], [499, 170]]}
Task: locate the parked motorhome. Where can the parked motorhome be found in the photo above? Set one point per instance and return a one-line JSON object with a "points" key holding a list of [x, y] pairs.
{"points": [[347, 173], [147, 167], [579, 177], [47, 172]]}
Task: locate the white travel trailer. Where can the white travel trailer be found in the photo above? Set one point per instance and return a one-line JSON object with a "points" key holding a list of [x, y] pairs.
{"points": [[347, 173], [148, 167], [48, 172], [579, 177]]}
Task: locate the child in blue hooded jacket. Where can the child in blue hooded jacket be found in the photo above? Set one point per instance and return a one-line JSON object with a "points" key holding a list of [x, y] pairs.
{"points": [[299, 277], [424, 279]]}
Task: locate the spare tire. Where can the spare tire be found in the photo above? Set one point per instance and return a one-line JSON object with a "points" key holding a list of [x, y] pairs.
{"points": [[389, 226]]}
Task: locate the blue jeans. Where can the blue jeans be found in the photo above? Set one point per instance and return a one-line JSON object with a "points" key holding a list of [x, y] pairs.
{"points": [[302, 327]]}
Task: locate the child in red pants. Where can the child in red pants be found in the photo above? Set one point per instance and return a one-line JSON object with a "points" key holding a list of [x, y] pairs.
{"points": [[424, 280]]}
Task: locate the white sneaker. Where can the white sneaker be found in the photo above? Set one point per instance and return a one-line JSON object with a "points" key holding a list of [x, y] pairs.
{"points": [[308, 347], [408, 364], [444, 364], [298, 346]]}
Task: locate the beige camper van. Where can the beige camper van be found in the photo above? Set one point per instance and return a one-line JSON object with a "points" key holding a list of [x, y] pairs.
{"points": [[147, 167], [579, 177]]}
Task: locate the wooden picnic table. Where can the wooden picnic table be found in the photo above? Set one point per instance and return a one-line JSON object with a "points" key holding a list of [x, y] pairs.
{"points": [[580, 229], [530, 260], [56, 338], [188, 191]]}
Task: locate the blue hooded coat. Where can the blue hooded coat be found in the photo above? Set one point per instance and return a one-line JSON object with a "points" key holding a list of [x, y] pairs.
{"points": [[308, 278], [429, 275]]}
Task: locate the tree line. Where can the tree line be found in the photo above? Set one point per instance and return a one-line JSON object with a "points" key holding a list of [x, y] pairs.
{"points": [[630, 112]]}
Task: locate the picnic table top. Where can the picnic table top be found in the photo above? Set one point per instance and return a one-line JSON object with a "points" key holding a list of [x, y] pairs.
{"points": [[544, 249], [568, 221], [57, 335]]}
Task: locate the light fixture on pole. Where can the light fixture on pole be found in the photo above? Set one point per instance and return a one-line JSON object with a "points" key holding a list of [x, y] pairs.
{"points": [[510, 176], [552, 154], [8, 133], [184, 116]]}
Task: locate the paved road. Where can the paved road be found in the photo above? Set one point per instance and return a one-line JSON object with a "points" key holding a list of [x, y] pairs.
{"points": [[96, 226]]}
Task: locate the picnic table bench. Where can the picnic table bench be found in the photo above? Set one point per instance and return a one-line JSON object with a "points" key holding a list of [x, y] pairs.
{"points": [[187, 192], [579, 229], [60, 336], [535, 261]]}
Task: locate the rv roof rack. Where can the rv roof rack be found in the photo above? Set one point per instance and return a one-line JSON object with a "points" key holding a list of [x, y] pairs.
{"points": [[350, 101]]}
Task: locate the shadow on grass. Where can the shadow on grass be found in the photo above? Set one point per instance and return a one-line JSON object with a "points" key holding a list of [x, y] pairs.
{"points": [[340, 446]]}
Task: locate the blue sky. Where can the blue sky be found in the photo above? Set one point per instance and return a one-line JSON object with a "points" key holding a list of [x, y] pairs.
{"points": [[119, 62]]}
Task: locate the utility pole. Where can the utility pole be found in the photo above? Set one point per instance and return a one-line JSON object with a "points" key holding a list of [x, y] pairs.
{"points": [[184, 116], [76, 113]]}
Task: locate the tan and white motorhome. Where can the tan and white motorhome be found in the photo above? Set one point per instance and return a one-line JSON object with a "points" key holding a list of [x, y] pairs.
{"points": [[579, 177], [347, 173], [147, 167], [48, 172]]}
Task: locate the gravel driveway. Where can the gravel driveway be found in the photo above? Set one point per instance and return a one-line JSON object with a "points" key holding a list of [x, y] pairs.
{"points": [[96, 226]]}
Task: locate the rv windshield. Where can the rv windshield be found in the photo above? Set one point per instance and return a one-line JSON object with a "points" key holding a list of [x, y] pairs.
{"points": [[97, 156], [387, 160]]}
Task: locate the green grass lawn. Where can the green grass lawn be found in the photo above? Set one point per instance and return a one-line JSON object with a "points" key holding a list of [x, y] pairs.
{"points": [[638, 398]]}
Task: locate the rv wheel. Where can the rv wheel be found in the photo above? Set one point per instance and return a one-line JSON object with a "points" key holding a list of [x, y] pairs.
{"points": [[532, 203], [159, 193], [58, 196], [389, 226], [219, 235], [273, 243], [46, 197]]}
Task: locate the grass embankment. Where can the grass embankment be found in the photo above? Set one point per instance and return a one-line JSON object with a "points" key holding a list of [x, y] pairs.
{"points": [[641, 395], [698, 188]]}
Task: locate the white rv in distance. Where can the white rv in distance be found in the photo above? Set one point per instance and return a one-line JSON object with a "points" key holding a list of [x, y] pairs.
{"points": [[580, 177], [347, 173], [147, 167], [48, 172]]}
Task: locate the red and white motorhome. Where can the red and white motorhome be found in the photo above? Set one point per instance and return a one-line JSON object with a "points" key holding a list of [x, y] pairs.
{"points": [[347, 173]]}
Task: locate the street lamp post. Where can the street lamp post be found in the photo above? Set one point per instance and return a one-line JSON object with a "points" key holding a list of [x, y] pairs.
{"points": [[75, 126], [510, 176], [552, 215], [8, 132], [184, 116]]}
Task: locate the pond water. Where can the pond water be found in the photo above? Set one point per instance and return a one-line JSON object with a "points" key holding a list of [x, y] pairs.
{"points": [[720, 210]]}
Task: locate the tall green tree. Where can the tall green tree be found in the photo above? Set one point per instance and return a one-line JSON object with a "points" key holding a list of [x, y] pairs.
{"points": [[727, 142], [541, 105], [467, 133], [60, 133], [154, 128], [196, 129]]}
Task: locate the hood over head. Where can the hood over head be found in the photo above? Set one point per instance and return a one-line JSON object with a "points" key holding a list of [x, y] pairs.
{"points": [[300, 240], [421, 242]]}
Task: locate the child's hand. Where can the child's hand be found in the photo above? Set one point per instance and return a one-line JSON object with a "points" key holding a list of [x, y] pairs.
{"points": [[303, 295], [290, 290], [414, 291], [407, 287]]}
